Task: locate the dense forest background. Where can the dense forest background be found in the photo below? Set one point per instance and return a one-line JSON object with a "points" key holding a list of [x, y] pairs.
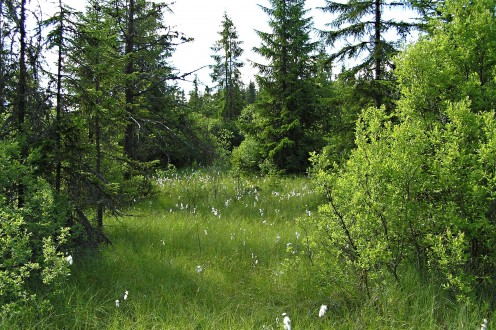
{"points": [[399, 139]]}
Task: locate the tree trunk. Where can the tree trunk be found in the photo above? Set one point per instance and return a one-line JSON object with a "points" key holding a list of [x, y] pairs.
{"points": [[98, 163], [98, 147], [377, 52], [130, 133], [21, 98], [2, 63], [58, 118]]}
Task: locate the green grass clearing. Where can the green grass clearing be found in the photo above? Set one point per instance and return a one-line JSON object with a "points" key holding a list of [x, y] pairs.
{"points": [[216, 252]]}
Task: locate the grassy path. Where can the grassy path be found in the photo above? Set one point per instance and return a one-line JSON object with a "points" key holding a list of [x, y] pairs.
{"points": [[208, 252]]}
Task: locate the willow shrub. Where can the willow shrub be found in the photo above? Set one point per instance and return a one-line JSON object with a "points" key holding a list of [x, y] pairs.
{"points": [[414, 193], [33, 265]]}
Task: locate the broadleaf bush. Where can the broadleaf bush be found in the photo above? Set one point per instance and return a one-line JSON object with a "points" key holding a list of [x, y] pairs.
{"points": [[414, 193], [33, 238]]}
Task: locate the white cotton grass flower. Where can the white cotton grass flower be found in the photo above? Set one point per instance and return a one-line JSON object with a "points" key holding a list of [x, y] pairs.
{"points": [[254, 259], [484, 324], [126, 294], [69, 259], [117, 303], [216, 212], [322, 310], [286, 321]]}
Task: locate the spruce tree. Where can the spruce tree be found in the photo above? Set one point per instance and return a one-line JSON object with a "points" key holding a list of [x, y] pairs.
{"points": [[250, 93], [363, 27], [225, 71], [287, 87], [97, 118], [157, 127], [61, 39]]}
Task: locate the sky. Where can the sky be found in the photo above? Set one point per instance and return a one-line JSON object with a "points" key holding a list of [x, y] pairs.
{"points": [[201, 20]]}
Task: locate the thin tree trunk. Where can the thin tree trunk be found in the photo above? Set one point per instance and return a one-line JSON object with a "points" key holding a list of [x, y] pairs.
{"points": [[21, 98], [2, 63], [98, 162], [98, 148], [227, 85], [129, 136], [58, 119], [378, 51]]}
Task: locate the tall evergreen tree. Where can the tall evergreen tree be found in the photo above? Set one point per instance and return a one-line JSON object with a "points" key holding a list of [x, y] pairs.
{"points": [[60, 38], [287, 86], [96, 121], [7, 59], [225, 71], [250, 93], [148, 43], [363, 27]]}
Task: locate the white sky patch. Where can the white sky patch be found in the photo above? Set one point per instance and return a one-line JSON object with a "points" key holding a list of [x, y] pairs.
{"points": [[201, 20]]}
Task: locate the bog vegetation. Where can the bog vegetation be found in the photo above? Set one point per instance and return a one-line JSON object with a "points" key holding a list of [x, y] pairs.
{"points": [[363, 199]]}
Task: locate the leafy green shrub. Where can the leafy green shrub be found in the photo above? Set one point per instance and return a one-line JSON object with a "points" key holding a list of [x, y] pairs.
{"points": [[456, 60], [247, 156], [415, 193], [419, 189], [33, 238]]}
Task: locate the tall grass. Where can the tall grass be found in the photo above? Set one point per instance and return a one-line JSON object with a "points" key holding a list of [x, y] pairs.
{"points": [[212, 251]]}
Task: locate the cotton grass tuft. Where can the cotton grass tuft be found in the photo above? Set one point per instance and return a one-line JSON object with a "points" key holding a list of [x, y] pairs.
{"points": [[323, 310], [286, 321]]}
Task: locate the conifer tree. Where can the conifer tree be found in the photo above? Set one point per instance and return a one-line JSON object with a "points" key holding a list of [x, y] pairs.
{"points": [[250, 93], [61, 39], [363, 27], [225, 71], [287, 87], [96, 121], [148, 43], [20, 107]]}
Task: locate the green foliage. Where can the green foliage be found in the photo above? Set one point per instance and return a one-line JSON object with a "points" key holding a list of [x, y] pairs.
{"points": [[414, 193], [456, 60], [16, 267], [418, 190], [368, 40], [32, 239], [287, 99], [341, 102], [246, 157]]}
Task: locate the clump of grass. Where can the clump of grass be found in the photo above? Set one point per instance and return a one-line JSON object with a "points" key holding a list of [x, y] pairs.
{"points": [[186, 266]]}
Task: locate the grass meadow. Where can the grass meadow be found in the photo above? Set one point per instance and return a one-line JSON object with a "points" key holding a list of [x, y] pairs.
{"points": [[213, 251]]}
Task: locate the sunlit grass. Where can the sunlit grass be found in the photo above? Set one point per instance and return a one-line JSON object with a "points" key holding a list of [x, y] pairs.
{"points": [[241, 233]]}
